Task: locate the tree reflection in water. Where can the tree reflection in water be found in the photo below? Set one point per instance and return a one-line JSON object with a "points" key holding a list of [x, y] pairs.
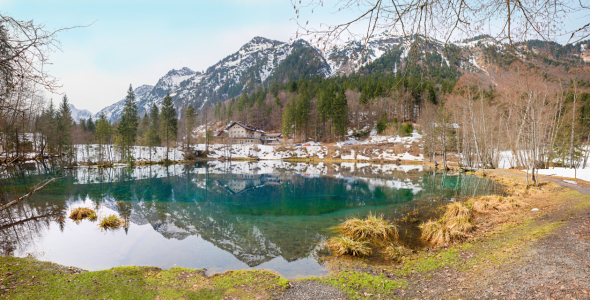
{"points": [[255, 211]]}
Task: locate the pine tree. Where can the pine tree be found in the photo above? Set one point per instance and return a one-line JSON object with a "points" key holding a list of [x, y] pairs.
{"points": [[155, 118], [64, 126], [169, 122], [289, 118], [341, 113], [302, 111], [103, 134], [48, 128], [82, 123], [90, 126], [189, 125], [325, 103], [153, 137], [127, 128]]}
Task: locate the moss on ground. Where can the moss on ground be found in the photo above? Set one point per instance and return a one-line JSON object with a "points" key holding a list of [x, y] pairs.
{"points": [[360, 285], [27, 278]]}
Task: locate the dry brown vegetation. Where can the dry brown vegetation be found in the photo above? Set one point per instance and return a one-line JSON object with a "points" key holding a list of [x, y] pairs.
{"points": [[111, 222], [487, 204], [396, 252], [358, 236], [372, 228], [344, 245], [454, 225], [81, 213]]}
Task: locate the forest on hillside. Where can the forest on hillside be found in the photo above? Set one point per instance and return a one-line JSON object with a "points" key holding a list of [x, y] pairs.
{"points": [[537, 106]]}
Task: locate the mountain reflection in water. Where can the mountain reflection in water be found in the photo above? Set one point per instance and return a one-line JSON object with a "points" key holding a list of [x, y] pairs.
{"points": [[220, 216]]}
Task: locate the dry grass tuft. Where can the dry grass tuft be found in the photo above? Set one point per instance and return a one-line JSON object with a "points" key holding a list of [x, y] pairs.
{"points": [[457, 210], [345, 245], [372, 228], [93, 217], [455, 224], [81, 213], [111, 222], [459, 226], [486, 204], [436, 232], [396, 252]]}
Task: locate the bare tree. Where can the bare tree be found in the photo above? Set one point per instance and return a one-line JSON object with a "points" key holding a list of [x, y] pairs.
{"points": [[442, 19]]}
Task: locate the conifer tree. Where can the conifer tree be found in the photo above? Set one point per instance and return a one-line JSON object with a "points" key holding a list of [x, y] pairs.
{"points": [[169, 122], [288, 118], [103, 133], [64, 125], [48, 128], [90, 126], [302, 111], [340, 110], [325, 103], [189, 124], [155, 118], [153, 137], [127, 128]]}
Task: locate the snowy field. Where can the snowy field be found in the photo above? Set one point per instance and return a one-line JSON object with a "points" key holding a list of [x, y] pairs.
{"points": [[506, 162], [352, 150]]}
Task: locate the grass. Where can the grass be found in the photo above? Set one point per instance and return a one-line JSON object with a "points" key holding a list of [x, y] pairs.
{"points": [[81, 213], [111, 222], [487, 204], [359, 285], [454, 226], [27, 278], [396, 252], [372, 228], [345, 245]]}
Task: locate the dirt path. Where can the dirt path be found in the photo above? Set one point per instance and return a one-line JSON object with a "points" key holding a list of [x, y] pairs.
{"points": [[555, 267]]}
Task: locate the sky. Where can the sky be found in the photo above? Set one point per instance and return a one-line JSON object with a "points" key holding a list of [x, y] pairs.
{"points": [[137, 42]]}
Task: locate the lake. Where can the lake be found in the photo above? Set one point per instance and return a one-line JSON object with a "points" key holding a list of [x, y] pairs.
{"points": [[219, 215]]}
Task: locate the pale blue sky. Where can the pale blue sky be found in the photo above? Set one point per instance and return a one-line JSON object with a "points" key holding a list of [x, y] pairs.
{"points": [[137, 42]]}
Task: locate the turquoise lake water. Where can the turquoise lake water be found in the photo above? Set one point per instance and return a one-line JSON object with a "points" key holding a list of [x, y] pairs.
{"points": [[219, 216]]}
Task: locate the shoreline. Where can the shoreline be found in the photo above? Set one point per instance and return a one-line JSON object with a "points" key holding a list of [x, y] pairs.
{"points": [[495, 249]]}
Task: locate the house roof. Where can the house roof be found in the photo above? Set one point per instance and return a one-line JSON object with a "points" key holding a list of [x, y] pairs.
{"points": [[247, 127], [273, 134]]}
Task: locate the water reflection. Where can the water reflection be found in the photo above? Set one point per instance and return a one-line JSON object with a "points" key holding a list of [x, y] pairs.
{"points": [[220, 216]]}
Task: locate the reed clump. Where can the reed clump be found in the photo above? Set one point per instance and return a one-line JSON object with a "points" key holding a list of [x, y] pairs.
{"points": [[373, 228], [455, 224], [487, 204], [344, 245], [93, 217], [111, 222], [359, 234], [81, 213], [396, 252]]}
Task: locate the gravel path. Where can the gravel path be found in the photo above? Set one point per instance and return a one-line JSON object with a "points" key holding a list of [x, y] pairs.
{"points": [[310, 289], [557, 267]]}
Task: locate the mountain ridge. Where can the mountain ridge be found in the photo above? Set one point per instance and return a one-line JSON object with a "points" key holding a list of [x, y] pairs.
{"points": [[262, 61]]}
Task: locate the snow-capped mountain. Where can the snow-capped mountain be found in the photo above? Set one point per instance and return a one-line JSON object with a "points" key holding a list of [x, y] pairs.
{"points": [[252, 65], [262, 61], [342, 57], [114, 111], [78, 114]]}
